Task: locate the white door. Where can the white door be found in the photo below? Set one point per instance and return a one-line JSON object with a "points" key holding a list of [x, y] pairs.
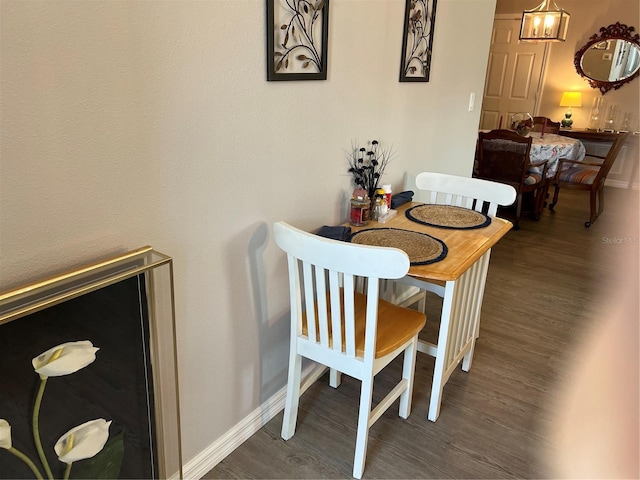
{"points": [[514, 75]]}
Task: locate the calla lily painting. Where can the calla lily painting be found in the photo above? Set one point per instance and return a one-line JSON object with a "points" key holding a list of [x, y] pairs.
{"points": [[76, 389], [80, 443]]}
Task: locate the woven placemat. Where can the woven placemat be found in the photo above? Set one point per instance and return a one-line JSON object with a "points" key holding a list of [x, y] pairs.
{"points": [[421, 248], [448, 216]]}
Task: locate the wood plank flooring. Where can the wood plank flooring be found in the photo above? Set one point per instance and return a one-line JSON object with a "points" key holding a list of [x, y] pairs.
{"points": [[547, 286]]}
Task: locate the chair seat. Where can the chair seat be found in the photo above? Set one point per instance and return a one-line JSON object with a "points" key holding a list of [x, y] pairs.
{"points": [[583, 175], [396, 325], [532, 178]]}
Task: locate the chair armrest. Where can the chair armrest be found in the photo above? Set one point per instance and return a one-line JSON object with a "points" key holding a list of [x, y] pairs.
{"points": [[577, 162], [564, 161]]}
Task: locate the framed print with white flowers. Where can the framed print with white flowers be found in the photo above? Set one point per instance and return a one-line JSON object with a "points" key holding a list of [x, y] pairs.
{"points": [[417, 40], [297, 39], [88, 369]]}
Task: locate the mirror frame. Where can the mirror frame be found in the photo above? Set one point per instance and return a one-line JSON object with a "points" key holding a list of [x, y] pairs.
{"points": [[615, 31]]}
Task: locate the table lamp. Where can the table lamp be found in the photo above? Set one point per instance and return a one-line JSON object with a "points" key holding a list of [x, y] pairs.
{"points": [[570, 99]]}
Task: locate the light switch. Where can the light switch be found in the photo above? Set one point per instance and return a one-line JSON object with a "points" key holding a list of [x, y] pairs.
{"points": [[472, 101]]}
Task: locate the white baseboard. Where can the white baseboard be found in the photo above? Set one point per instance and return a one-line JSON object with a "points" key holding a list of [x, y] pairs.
{"points": [[620, 184], [197, 467]]}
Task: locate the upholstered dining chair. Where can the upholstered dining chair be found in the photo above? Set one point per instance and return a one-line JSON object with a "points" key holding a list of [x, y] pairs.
{"points": [[546, 124], [503, 156], [336, 326], [588, 174]]}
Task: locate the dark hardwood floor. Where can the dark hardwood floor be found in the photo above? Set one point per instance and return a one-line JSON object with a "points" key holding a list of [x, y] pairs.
{"points": [[549, 285]]}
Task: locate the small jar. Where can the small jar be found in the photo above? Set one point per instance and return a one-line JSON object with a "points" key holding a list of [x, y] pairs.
{"points": [[359, 214]]}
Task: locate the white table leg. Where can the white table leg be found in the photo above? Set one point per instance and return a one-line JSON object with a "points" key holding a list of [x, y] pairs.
{"points": [[459, 327]]}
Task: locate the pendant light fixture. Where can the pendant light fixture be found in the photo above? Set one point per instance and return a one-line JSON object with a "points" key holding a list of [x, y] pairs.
{"points": [[547, 22]]}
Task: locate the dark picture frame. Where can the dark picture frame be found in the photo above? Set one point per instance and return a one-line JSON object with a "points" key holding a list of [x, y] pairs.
{"points": [[297, 39], [417, 40]]}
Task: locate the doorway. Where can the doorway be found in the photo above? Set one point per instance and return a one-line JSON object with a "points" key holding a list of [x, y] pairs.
{"points": [[514, 77]]}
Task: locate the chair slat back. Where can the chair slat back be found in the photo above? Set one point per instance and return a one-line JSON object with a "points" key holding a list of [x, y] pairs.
{"points": [[324, 276], [549, 127], [503, 156], [480, 195]]}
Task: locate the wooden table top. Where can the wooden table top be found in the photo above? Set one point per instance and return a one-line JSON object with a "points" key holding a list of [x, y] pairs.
{"points": [[595, 135], [465, 246]]}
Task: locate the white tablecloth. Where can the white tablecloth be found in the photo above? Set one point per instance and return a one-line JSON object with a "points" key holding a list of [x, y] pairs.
{"points": [[553, 147]]}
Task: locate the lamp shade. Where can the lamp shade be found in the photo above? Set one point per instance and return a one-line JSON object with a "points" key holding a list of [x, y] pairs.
{"points": [[571, 99], [546, 22]]}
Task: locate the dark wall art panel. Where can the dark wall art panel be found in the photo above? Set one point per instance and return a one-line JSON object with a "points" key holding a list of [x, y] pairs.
{"points": [[417, 40], [297, 38]]}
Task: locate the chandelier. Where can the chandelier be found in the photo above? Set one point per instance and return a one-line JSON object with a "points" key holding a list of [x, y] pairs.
{"points": [[546, 22]]}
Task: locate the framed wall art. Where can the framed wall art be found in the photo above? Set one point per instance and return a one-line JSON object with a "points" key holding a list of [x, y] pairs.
{"points": [[417, 40], [89, 374], [297, 37]]}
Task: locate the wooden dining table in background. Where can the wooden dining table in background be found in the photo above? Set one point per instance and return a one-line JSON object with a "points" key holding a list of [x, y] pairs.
{"points": [[553, 147], [462, 275]]}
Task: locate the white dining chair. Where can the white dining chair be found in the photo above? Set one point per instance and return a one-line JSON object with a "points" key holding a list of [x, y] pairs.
{"points": [[475, 193], [337, 327], [460, 315], [444, 189]]}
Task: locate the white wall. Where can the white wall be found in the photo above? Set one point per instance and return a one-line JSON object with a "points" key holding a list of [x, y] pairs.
{"points": [[126, 123]]}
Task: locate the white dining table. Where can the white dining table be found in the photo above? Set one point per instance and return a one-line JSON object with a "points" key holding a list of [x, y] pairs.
{"points": [[552, 147], [460, 279]]}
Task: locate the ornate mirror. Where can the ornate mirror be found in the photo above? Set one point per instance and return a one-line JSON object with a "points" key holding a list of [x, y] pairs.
{"points": [[610, 59]]}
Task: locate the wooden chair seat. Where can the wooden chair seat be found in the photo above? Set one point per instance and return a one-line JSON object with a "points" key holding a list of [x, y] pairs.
{"points": [[533, 178], [396, 325]]}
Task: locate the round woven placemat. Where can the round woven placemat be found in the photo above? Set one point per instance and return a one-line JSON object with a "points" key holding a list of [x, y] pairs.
{"points": [[448, 216], [421, 248]]}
